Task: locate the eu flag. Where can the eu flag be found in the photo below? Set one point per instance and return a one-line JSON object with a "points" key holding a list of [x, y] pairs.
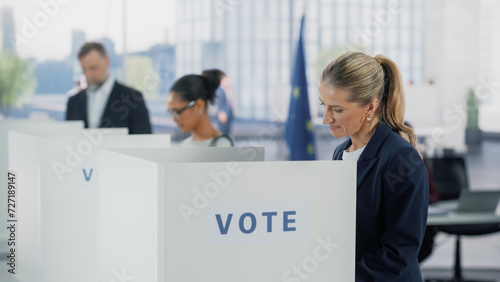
{"points": [[299, 133]]}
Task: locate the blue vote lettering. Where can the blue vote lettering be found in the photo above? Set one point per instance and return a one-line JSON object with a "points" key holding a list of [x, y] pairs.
{"points": [[242, 223], [85, 174], [287, 221], [223, 229], [269, 220]]}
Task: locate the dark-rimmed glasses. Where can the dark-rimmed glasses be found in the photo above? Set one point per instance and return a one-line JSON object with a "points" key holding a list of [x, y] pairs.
{"points": [[176, 114]]}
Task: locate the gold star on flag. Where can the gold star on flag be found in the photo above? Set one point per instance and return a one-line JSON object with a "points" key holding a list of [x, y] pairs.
{"points": [[310, 149], [309, 126], [296, 92]]}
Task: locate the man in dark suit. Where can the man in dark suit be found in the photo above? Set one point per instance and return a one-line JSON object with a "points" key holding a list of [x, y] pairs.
{"points": [[105, 102]]}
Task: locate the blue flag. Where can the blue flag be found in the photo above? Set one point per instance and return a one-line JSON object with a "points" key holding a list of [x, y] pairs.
{"points": [[299, 133]]}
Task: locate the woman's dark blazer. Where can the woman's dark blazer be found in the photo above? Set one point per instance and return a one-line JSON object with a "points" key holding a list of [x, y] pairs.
{"points": [[391, 212]]}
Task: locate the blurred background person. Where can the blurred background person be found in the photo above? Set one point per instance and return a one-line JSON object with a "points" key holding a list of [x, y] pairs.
{"points": [[105, 102], [79, 85], [224, 109], [187, 103]]}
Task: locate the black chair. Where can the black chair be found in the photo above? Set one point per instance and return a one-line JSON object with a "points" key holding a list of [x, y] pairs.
{"points": [[450, 178], [449, 175]]}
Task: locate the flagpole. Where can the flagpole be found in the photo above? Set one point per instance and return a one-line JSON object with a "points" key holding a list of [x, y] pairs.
{"points": [[291, 30], [124, 56], [299, 131]]}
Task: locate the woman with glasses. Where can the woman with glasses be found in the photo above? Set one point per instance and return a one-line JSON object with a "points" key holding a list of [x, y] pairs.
{"points": [[363, 99], [187, 104]]}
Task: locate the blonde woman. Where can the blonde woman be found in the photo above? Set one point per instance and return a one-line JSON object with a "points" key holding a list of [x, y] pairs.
{"points": [[363, 98]]}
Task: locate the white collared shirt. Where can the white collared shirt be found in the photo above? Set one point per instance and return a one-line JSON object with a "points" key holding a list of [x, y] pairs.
{"points": [[97, 100], [352, 156]]}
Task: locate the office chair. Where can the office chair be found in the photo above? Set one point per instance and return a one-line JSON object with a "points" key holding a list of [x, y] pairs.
{"points": [[450, 177]]}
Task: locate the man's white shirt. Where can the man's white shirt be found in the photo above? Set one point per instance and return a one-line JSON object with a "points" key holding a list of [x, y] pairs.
{"points": [[97, 100]]}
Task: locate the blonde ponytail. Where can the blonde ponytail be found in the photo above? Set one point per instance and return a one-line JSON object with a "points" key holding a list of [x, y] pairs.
{"points": [[366, 78], [392, 103]]}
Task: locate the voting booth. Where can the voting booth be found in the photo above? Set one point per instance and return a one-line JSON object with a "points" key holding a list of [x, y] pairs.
{"points": [[58, 181], [225, 221], [47, 127], [132, 204]]}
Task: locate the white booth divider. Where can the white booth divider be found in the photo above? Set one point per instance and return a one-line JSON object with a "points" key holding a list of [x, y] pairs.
{"points": [[132, 205], [58, 200], [47, 127], [275, 221], [226, 221]]}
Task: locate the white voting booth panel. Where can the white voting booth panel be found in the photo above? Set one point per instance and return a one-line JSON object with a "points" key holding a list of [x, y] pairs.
{"points": [[246, 221], [275, 221], [47, 127], [32, 156], [132, 206], [63, 200]]}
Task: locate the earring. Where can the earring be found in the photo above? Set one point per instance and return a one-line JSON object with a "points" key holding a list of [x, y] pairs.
{"points": [[369, 119], [200, 112]]}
